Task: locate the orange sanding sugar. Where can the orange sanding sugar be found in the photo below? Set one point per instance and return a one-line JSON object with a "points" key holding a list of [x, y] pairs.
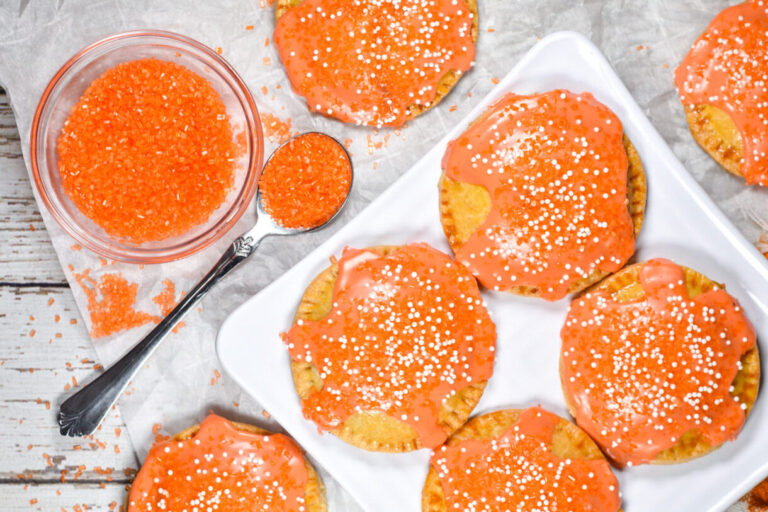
{"points": [[306, 181], [148, 151], [276, 129], [166, 301], [110, 304]]}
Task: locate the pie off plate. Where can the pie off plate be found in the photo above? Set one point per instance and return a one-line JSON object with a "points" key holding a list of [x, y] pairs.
{"points": [[681, 223]]}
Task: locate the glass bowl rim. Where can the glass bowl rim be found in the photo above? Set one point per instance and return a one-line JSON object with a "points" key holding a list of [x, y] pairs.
{"points": [[213, 233]]}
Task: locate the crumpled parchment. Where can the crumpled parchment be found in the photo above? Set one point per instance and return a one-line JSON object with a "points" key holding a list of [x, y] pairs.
{"points": [[643, 39]]}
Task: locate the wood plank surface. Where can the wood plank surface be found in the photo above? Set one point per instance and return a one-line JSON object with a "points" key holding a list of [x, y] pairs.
{"points": [[26, 253], [92, 496], [45, 351], [42, 360]]}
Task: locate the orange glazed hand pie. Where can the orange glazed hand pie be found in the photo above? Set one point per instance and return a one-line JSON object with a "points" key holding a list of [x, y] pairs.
{"points": [[659, 364], [515, 460], [375, 62], [722, 84], [226, 466], [542, 195], [391, 347]]}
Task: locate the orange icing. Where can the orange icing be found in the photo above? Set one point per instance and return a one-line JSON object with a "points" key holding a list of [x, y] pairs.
{"points": [[406, 331], [148, 151], [556, 170], [366, 61], [221, 468], [727, 68], [306, 181], [643, 373], [518, 471]]}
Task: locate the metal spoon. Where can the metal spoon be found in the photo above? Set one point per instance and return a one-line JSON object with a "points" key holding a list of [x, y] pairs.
{"points": [[82, 413]]}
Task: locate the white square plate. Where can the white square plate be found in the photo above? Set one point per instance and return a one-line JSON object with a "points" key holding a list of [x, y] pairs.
{"points": [[681, 223]]}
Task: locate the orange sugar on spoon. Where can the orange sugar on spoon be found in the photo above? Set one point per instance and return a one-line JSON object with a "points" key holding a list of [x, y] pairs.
{"points": [[148, 151], [305, 181]]}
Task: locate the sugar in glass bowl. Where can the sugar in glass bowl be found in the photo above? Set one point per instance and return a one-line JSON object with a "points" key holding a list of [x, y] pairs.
{"points": [[67, 87]]}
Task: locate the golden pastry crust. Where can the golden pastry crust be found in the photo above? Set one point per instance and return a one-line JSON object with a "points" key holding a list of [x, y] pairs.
{"points": [[717, 134], [464, 207], [373, 431], [757, 499], [446, 83], [625, 286], [314, 491], [568, 441]]}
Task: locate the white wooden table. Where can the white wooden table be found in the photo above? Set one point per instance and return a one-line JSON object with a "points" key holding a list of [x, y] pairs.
{"points": [[45, 350], [40, 358]]}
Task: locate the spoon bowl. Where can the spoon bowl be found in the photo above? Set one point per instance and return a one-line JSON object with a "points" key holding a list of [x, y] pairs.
{"points": [[271, 226]]}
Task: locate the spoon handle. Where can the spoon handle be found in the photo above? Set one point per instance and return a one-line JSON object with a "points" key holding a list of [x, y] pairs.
{"points": [[82, 412]]}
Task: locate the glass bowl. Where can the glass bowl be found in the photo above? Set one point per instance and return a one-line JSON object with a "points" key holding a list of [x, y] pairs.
{"points": [[66, 88]]}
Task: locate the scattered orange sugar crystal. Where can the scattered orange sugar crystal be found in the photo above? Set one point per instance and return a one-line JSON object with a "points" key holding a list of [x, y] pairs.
{"points": [[156, 431], [276, 130], [306, 181], [110, 303], [148, 151], [166, 301]]}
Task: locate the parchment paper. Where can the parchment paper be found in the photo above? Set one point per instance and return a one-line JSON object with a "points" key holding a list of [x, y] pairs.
{"points": [[643, 39]]}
